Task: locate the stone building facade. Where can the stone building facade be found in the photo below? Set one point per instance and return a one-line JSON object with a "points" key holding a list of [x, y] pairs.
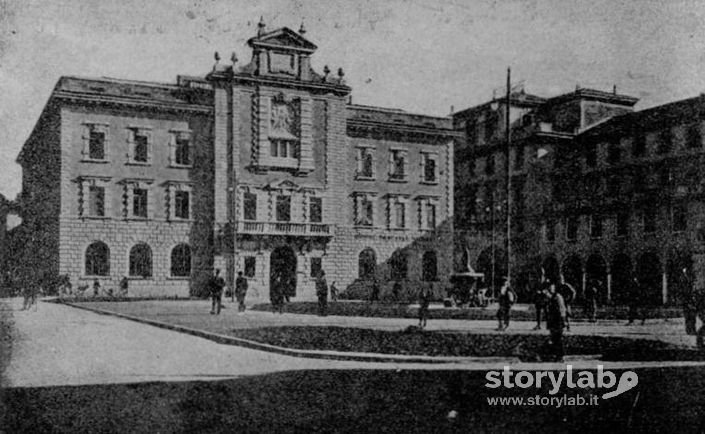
{"points": [[264, 168], [599, 191]]}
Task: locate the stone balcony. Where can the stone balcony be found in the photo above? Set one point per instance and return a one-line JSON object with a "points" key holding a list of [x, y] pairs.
{"points": [[285, 228]]}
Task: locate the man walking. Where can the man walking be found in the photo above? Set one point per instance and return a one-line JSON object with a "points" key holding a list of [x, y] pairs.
{"points": [[216, 289], [507, 297], [540, 300], [568, 293], [424, 302], [556, 321], [322, 293], [591, 293], [688, 300], [240, 291], [635, 301]]}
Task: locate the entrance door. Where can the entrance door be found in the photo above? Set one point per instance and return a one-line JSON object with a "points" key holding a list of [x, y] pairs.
{"points": [[282, 271]]}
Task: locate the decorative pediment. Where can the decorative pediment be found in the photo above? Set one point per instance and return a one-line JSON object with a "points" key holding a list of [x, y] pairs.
{"points": [[282, 185], [283, 39]]}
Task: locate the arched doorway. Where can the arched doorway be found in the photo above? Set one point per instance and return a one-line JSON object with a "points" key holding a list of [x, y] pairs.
{"points": [[367, 264], [621, 275], [551, 269], [282, 271], [573, 272], [648, 271], [596, 269]]}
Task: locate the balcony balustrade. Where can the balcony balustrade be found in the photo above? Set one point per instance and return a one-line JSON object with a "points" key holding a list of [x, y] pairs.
{"points": [[284, 228]]}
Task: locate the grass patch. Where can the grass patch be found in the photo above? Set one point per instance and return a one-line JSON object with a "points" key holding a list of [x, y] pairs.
{"points": [[438, 343]]}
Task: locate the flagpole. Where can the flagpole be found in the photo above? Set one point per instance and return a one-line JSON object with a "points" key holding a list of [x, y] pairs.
{"points": [[509, 176]]}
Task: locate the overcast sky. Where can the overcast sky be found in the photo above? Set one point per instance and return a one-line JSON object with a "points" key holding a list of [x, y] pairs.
{"points": [[422, 56]]}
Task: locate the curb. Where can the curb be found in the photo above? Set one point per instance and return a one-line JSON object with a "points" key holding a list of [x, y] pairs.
{"points": [[308, 354]]}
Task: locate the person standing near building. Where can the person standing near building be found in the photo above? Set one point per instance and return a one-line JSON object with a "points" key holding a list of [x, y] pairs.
{"points": [[96, 288], [124, 286], [568, 293], [506, 299], [374, 296], [556, 321], [240, 291], [424, 303], [591, 292], [322, 293], [216, 289], [333, 292], [540, 299], [635, 301], [688, 300]]}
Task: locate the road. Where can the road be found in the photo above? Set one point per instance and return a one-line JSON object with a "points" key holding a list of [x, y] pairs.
{"points": [[61, 345]]}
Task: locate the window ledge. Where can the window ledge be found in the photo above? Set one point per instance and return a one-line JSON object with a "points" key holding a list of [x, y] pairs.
{"points": [[400, 180], [364, 178], [95, 217], [180, 166], [139, 278], [429, 182], [178, 220], [138, 219], [91, 160], [178, 278], [138, 163]]}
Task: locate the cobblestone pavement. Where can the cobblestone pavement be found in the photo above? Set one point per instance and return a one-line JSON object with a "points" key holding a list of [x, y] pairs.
{"points": [[62, 345]]}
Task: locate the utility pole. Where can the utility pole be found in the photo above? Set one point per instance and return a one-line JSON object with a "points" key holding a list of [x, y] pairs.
{"points": [[509, 175]]}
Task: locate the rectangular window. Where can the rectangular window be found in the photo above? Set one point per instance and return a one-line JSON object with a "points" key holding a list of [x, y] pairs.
{"points": [[250, 206], [693, 136], [639, 144], [96, 145], [596, 226], [250, 266], [680, 217], [664, 141], [181, 204], [365, 163], [489, 165], [431, 215], [591, 155], [399, 215], [96, 201], [182, 155], [316, 267], [283, 208], [274, 148], [649, 220], [614, 153], [428, 163], [571, 228], [141, 149], [623, 224], [316, 210], [139, 202], [398, 165]]}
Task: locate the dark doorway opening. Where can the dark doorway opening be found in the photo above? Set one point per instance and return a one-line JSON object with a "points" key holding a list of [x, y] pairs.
{"points": [[282, 271]]}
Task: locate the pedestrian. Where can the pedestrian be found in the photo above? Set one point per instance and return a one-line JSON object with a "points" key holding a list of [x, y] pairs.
{"points": [[424, 302], [540, 300], [124, 286], [591, 292], [374, 296], [568, 293], [276, 294], [96, 288], [506, 299], [396, 290], [635, 301], [322, 293], [240, 291], [333, 292], [688, 300], [556, 321], [216, 289]]}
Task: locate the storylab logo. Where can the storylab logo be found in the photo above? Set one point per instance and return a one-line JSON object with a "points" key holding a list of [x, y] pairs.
{"points": [[583, 379]]}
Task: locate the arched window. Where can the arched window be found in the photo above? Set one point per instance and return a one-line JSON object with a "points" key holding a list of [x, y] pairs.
{"points": [[97, 259], [398, 266], [181, 261], [430, 266], [366, 264], [141, 261]]}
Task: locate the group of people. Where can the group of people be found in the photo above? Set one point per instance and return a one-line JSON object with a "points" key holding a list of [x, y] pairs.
{"points": [[216, 285]]}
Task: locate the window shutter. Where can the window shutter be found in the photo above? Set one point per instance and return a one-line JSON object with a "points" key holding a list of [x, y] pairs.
{"points": [[130, 144], [405, 156], [150, 144], [86, 137], [391, 163], [422, 173], [359, 160]]}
